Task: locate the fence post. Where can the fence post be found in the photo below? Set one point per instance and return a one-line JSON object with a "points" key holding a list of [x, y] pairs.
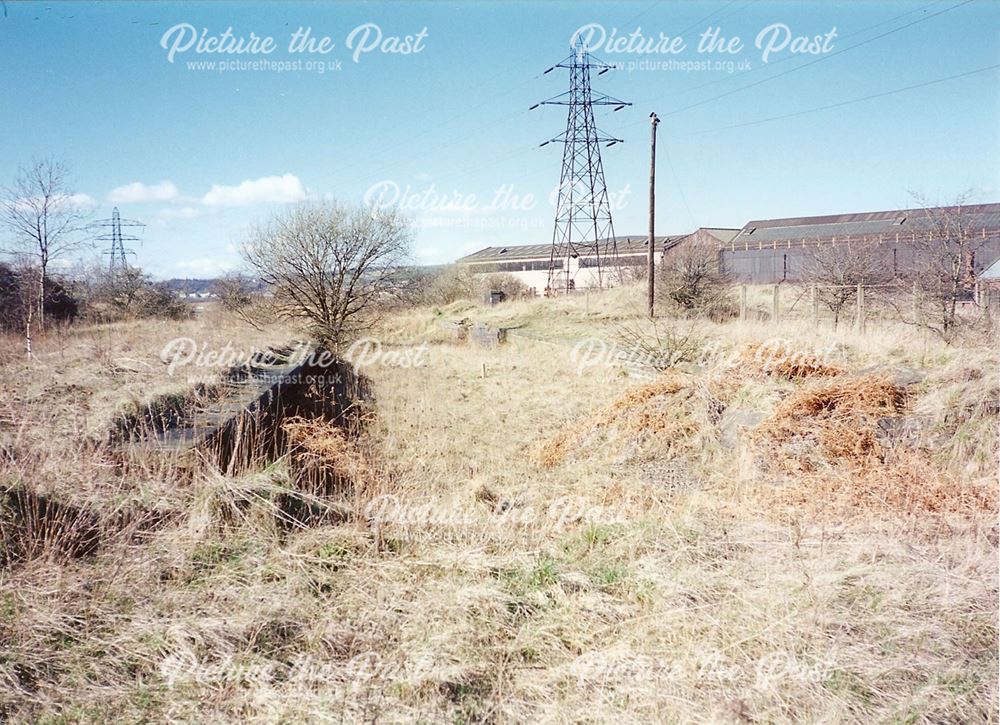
{"points": [[774, 306], [743, 302], [859, 319], [916, 303], [814, 302]]}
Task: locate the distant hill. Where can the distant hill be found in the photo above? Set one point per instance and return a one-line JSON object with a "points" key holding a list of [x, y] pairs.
{"points": [[189, 286]]}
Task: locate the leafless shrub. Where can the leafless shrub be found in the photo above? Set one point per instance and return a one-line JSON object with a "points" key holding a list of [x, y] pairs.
{"points": [[691, 279], [660, 344], [511, 286], [129, 294], [330, 266], [242, 296], [932, 290], [838, 268], [451, 284]]}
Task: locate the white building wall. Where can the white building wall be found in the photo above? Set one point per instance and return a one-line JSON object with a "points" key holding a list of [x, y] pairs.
{"points": [[538, 279]]}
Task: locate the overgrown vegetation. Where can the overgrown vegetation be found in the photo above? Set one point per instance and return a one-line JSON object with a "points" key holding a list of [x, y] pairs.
{"points": [[693, 281], [18, 287], [457, 283], [129, 294], [770, 534], [330, 267]]}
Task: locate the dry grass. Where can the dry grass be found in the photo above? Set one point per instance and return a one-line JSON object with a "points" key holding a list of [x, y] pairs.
{"points": [[910, 487], [465, 583], [661, 415], [831, 422], [783, 360], [323, 457]]}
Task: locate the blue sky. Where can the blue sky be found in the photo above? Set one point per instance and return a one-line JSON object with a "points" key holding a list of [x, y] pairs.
{"points": [[199, 154]]}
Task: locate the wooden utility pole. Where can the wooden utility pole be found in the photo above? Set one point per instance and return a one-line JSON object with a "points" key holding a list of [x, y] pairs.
{"points": [[650, 251]]}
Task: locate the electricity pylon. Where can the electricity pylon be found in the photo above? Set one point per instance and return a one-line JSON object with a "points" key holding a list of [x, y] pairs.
{"points": [[118, 250], [583, 213]]}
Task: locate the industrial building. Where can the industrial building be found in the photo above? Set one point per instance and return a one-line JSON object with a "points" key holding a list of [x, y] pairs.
{"points": [[989, 279], [778, 250], [769, 251], [530, 262]]}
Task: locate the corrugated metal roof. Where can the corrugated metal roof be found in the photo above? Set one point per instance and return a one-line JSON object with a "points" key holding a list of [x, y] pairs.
{"points": [[901, 221], [524, 251], [992, 272], [723, 234], [626, 245]]}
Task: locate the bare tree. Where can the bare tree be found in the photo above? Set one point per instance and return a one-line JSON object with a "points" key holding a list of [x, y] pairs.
{"points": [[692, 277], [944, 269], [329, 265], [42, 217], [837, 268]]}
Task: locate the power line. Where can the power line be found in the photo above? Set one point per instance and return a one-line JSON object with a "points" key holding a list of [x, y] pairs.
{"points": [[644, 12], [492, 102], [519, 150], [696, 23], [475, 168], [431, 150], [743, 74], [666, 150], [815, 61], [843, 103], [677, 183]]}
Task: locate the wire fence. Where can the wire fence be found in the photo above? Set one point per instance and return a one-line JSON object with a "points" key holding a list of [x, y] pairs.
{"points": [[860, 305]]}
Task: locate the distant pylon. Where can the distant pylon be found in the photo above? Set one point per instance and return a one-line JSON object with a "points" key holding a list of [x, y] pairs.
{"points": [[118, 250], [583, 212]]}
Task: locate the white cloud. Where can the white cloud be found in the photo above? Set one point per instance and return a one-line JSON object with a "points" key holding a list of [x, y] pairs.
{"points": [[137, 193], [184, 212], [82, 201], [265, 190], [427, 253]]}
